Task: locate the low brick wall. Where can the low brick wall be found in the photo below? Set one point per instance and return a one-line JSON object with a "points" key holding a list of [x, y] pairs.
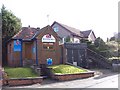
{"points": [[116, 67], [72, 76], [22, 81], [64, 77]]}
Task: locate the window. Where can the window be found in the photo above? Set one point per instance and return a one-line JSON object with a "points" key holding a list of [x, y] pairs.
{"points": [[56, 29], [48, 46]]}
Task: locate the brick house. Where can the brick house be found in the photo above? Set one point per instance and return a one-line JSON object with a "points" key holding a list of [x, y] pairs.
{"points": [[74, 34], [33, 45]]}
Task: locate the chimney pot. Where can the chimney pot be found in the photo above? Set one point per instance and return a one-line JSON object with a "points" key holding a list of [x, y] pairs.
{"points": [[38, 27]]}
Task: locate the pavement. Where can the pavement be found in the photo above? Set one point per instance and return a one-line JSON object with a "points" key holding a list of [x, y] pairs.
{"points": [[103, 79]]}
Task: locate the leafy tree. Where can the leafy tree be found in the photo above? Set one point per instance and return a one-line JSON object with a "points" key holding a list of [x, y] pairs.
{"points": [[100, 47], [10, 23], [10, 26], [99, 42], [86, 41], [112, 39], [67, 39]]}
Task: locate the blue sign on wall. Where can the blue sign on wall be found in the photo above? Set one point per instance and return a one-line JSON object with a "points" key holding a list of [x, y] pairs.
{"points": [[49, 61], [17, 45]]}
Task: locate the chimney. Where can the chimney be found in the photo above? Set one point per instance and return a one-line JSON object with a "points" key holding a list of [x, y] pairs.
{"points": [[38, 27]]}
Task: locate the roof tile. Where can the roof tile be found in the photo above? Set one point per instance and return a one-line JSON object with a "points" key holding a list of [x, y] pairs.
{"points": [[26, 33]]}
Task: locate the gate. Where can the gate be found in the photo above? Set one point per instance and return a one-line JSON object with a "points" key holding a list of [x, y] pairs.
{"points": [[76, 53]]}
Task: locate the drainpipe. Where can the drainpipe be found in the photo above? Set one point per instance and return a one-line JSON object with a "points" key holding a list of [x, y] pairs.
{"points": [[36, 53], [21, 62]]}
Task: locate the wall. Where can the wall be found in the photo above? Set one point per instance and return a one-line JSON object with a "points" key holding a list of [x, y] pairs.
{"points": [[76, 40], [44, 54], [64, 33], [91, 37], [72, 76], [61, 31], [22, 81], [13, 57]]}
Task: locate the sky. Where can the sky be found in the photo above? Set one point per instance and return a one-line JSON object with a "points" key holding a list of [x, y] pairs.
{"points": [[101, 16]]}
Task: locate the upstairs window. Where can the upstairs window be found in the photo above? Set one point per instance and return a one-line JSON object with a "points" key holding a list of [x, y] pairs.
{"points": [[56, 29]]}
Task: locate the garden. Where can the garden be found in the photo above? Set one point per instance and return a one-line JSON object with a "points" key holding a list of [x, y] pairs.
{"points": [[20, 76], [68, 72], [20, 72], [66, 69]]}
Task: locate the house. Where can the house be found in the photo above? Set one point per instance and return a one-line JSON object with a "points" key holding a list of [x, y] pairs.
{"points": [[75, 35], [89, 35], [33, 46], [67, 32]]}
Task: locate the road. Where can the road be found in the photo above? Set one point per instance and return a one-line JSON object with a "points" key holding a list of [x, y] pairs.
{"points": [[102, 79]]}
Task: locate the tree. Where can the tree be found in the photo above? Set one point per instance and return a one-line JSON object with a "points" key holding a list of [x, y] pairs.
{"points": [[10, 26], [112, 39], [85, 41], [99, 43], [100, 47], [10, 23], [67, 39]]}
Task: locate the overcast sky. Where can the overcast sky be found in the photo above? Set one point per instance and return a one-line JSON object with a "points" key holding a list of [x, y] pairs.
{"points": [[99, 15]]}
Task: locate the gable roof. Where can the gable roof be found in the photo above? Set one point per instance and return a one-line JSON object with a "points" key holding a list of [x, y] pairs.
{"points": [[48, 27], [72, 30], [29, 33], [87, 33], [26, 33]]}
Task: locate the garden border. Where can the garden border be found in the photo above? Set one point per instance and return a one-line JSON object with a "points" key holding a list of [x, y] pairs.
{"points": [[22, 81]]}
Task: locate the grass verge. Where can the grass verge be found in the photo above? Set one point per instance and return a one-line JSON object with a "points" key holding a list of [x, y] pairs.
{"points": [[66, 69], [20, 72]]}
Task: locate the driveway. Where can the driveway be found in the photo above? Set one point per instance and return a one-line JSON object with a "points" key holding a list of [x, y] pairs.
{"points": [[103, 79]]}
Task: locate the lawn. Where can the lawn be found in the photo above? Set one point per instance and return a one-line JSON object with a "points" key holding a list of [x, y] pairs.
{"points": [[66, 69], [20, 72]]}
